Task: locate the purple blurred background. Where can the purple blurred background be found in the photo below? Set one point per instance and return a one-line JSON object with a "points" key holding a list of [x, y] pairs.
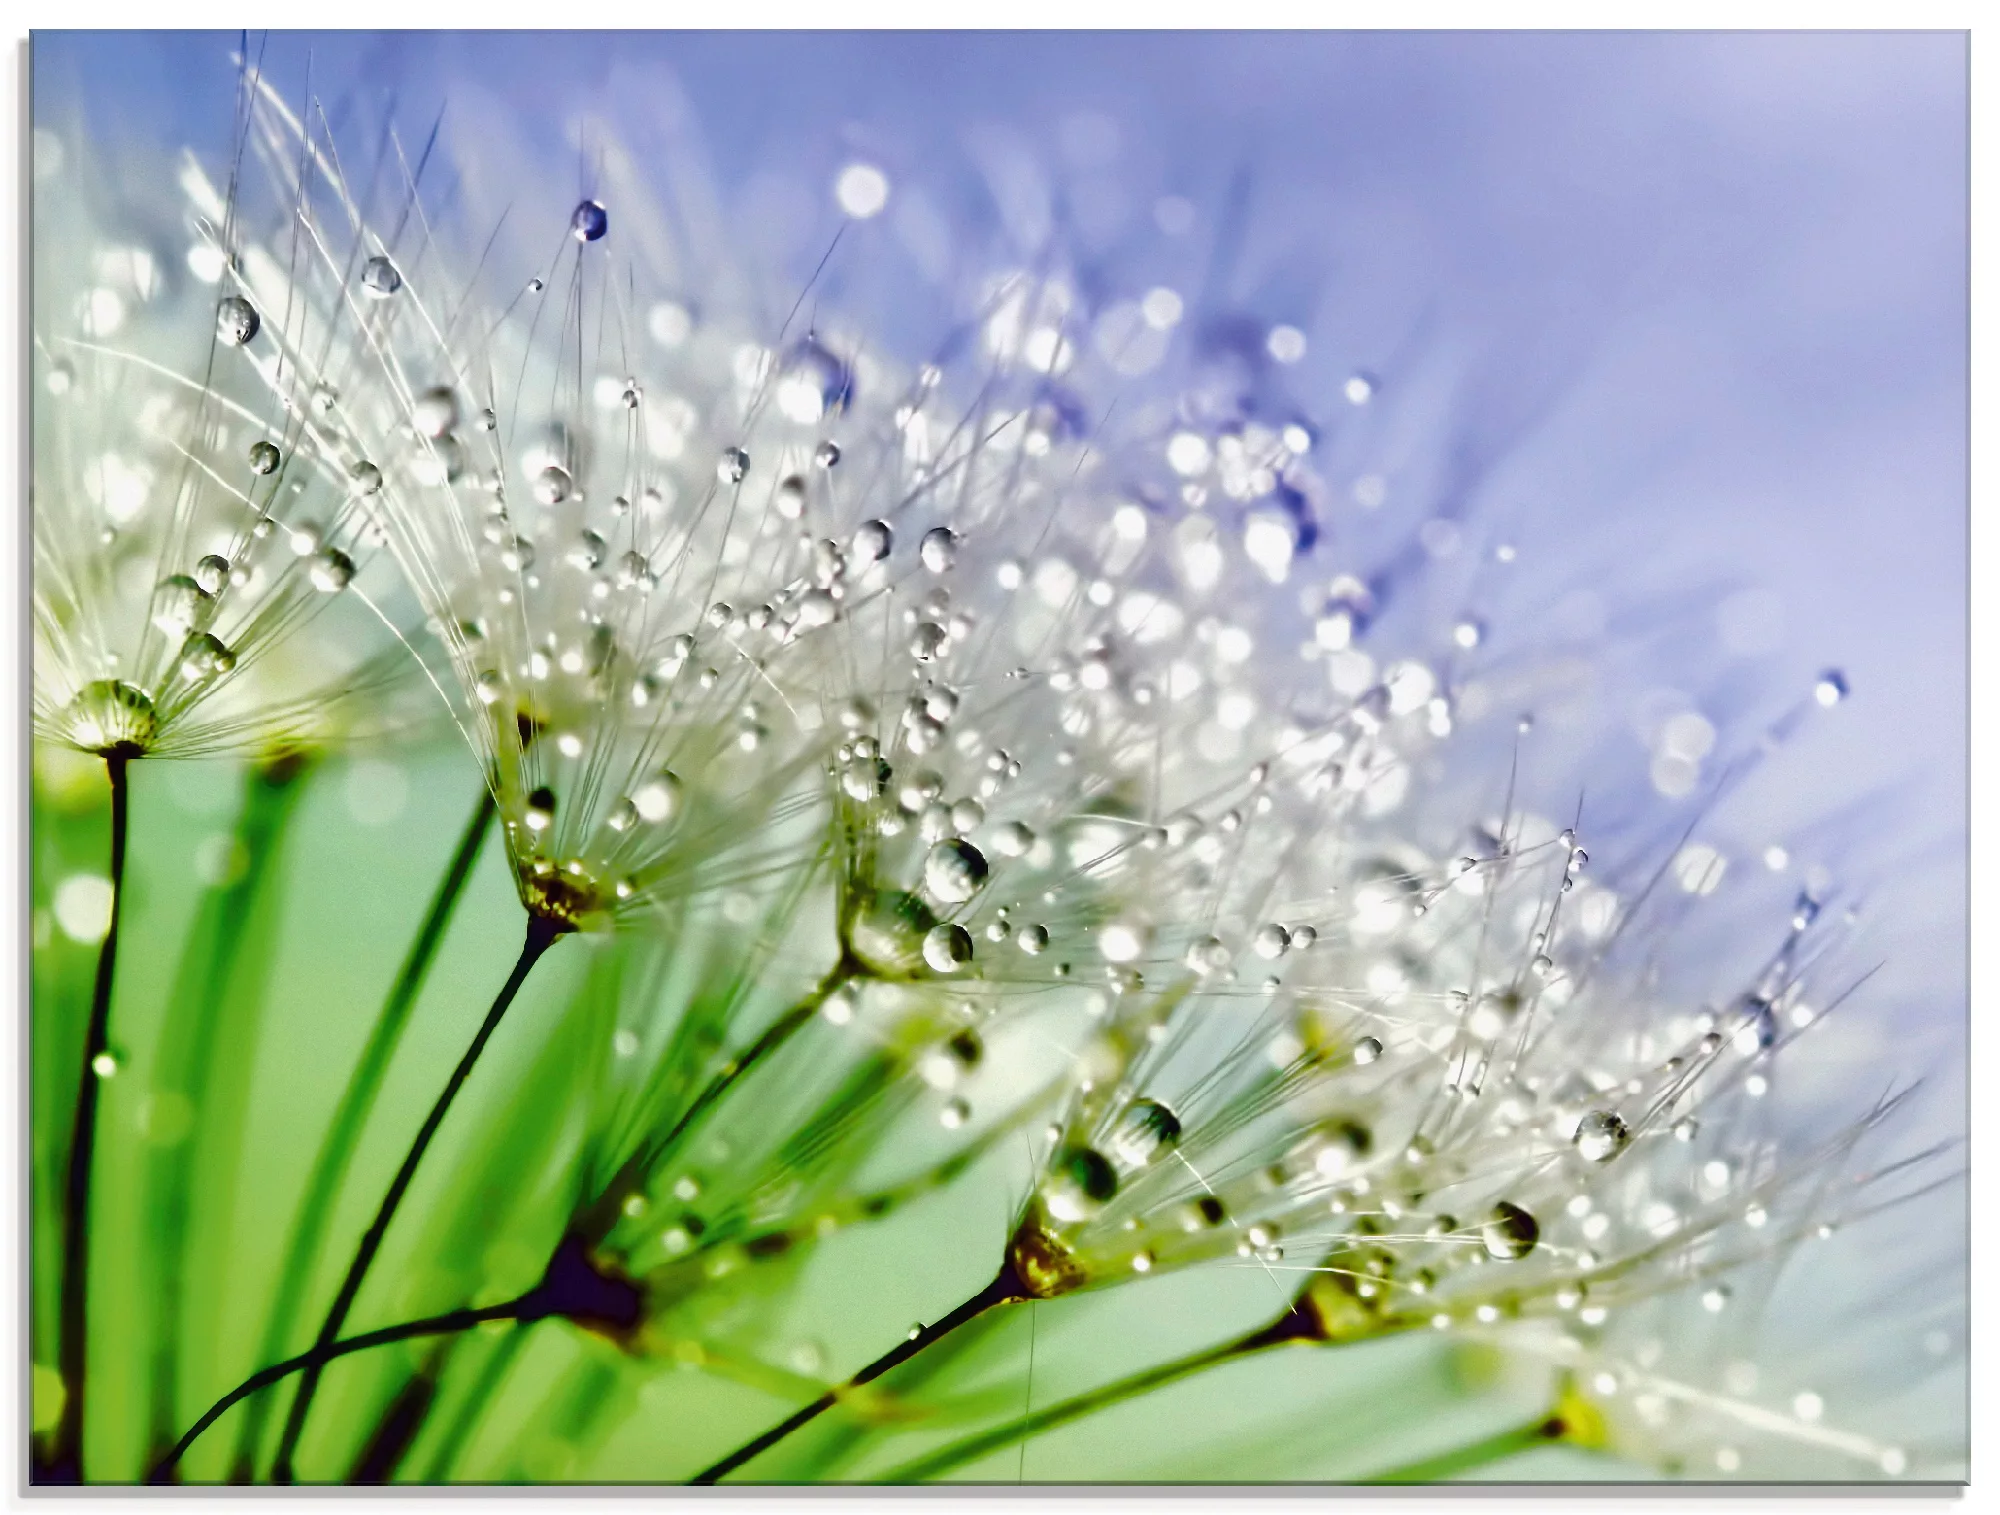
{"points": [[1715, 285]]}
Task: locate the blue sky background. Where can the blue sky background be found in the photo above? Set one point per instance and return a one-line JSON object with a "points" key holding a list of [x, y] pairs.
{"points": [[1716, 284]]}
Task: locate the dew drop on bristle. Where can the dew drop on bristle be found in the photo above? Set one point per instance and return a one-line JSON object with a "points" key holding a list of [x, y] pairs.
{"points": [[110, 715], [886, 934], [659, 799], [264, 458], [1601, 1135], [1144, 1132], [732, 466], [1081, 1183], [1033, 940], [947, 948], [954, 871], [872, 542], [180, 604], [939, 549], [204, 657], [1509, 1233], [434, 412], [212, 574], [552, 485], [380, 278], [331, 570], [1831, 688], [364, 479], [826, 454], [237, 321], [540, 812], [589, 222], [812, 384]]}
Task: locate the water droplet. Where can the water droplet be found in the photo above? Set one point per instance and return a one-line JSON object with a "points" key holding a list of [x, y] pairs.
{"points": [[331, 571], [104, 1064], [540, 811], [886, 933], [212, 574], [1033, 940], [380, 278], [108, 715], [1831, 688], [817, 607], [236, 320], [1271, 941], [1344, 1146], [731, 467], [1080, 1184], [812, 384], [180, 605], [552, 485], [204, 657], [826, 455], [928, 641], [1601, 1135], [954, 871], [659, 799], [264, 458], [947, 948], [939, 549], [1509, 1232], [872, 542], [589, 222], [1367, 1050], [434, 412], [364, 479], [1145, 1131]]}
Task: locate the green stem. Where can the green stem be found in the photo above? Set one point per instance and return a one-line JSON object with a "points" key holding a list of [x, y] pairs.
{"points": [[324, 1353], [336, 1153], [1285, 1330], [542, 934], [451, 1445], [1005, 1288], [63, 1459], [1539, 1432], [211, 999]]}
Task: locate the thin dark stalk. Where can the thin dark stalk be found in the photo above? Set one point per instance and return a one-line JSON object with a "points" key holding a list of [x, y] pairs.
{"points": [[1290, 1328], [1005, 1288], [63, 1462], [542, 934], [324, 1353], [343, 1136]]}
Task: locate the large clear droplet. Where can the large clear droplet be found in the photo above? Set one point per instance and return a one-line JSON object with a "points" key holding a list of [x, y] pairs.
{"points": [[1081, 1183], [264, 458], [947, 948], [212, 573], [380, 278], [553, 485], [732, 466], [434, 412], [1145, 1131], [953, 871], [204, 657], [109, 715], [1509, 1233], [939, 549], [589, 222], [331, 570], [659, 798], [812, 384], [886, 933], [540, 812], [873, 541], [181, 605], [236, 320], [1602, 1135]]}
